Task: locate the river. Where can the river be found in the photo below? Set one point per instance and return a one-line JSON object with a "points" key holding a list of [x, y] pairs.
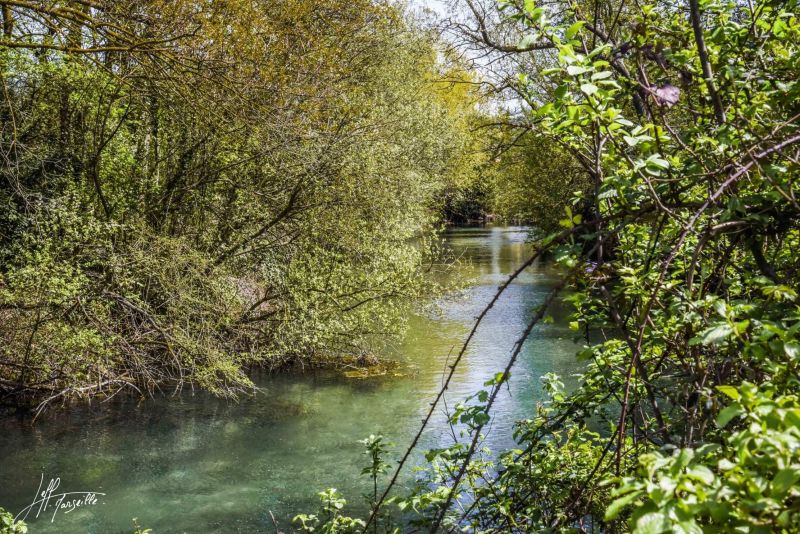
{"points": [[194, 463]]}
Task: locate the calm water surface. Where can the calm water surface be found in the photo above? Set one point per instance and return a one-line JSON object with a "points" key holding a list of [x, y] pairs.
{"points": [[199, 464]]}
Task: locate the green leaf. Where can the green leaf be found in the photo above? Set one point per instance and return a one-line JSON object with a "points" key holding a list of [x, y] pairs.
{"points": [[652, 523], [561, 91], [481, 418], [725, 465], [727, 414], [730, 391], [784, 481], [498, 378], [575, 70], [657, 163], [530, 5], [701, 473], [544, 110], [608, 193], [631, 141], [573, 30], [616, 507], [589, 88], [717, 334], [792, 349]]}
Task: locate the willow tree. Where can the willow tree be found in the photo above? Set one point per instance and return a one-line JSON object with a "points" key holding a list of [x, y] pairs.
{"points": [[193, 189]]}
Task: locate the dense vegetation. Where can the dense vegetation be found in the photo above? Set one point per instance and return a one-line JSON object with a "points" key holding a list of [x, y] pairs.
{"points": [[683, 118], [191, 189]]}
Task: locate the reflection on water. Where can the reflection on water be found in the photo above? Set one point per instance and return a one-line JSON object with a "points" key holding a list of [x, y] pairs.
{"points": [[199, 464]]}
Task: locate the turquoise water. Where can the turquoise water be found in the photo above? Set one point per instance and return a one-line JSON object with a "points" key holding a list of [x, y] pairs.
{"points": [[193, 463]]}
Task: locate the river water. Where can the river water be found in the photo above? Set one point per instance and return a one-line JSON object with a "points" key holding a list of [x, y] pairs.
{"points": [[194, 463]]}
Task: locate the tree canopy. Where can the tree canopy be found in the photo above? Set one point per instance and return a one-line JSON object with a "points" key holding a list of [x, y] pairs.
{"points": [[191, 189]]}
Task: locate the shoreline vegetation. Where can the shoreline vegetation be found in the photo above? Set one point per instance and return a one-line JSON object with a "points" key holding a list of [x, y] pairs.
{"points": [[193, 189]]}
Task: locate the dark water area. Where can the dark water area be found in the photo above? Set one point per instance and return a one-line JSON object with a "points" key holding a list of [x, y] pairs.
{"points": [[195, 463]]}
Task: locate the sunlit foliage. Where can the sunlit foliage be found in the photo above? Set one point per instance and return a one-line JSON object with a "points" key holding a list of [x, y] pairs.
{"points": [[682, 255], [193, 189]]}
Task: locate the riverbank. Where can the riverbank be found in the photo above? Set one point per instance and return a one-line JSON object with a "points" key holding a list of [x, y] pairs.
{"points": [[194, 462]]}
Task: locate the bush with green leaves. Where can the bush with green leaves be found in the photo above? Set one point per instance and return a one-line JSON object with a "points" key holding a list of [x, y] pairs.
{"points": [[747, 481], [683, 268], [179, 216], [9, 526]]}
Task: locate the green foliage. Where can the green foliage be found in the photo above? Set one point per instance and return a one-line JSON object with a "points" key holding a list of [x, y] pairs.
{"points": [[749, 480], [519, 177], [522, 489], [9, 526], [376, 449], [533, 181], [329, 520], [682, 260], [181, 215]]}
